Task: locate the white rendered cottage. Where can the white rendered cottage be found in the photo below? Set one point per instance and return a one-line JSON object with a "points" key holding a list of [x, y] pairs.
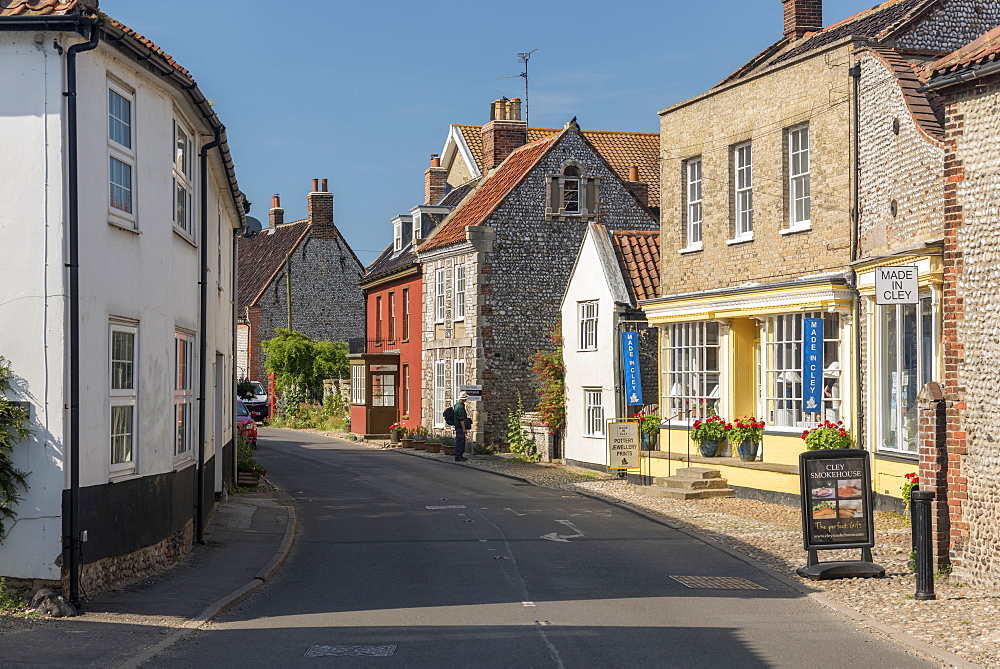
{"points": [[118, 208], [613, 271]]}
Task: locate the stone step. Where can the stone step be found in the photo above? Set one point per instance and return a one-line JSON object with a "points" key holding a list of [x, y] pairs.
{"points": [[673, 493], [682, 483], [698, 473]]}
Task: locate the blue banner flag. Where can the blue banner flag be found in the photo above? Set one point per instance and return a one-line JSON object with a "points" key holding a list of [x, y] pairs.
{"points": [[812, 364], [630, 369]]}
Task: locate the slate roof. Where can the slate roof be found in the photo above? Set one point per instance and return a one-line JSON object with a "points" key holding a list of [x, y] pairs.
{"points": [[621, 150], [390, 262], [490, 193], [262, 256], [877, 24], [638, 253], [980, 51]]}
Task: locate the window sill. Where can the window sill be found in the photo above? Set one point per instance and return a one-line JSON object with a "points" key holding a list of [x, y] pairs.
{"points": [[594, 436], [127, 226], [897, 456], [586, 350], [691, 249], [180, 232], [740, 240], [183, 462], [123, 476], [801, 227]]}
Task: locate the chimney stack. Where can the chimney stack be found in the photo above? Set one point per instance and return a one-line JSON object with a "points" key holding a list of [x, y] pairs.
{"points": [[801, 17], [639, 189], [277, 215], [504, 133], [435, 181], [321, 212]]}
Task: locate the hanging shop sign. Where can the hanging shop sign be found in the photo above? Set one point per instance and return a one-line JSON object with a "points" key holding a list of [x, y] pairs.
{"points": [[896, 285], [836, 499], [623, 444], [630, 369], [812, 364]]}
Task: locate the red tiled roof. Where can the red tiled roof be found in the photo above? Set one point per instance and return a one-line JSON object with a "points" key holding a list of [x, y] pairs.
{"points": [[621, 150], [262, 256], [876, 24], [923, 107], [638, 253], [36, 7], [490, 193], [977, 52], [146, 42]]}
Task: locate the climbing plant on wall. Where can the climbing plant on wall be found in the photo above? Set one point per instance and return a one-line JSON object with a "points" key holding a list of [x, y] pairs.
{"points": [[13, 428], [550, 371]]}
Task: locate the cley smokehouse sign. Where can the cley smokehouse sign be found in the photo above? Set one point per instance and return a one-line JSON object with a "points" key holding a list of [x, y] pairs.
{"points": [[836, 499]]}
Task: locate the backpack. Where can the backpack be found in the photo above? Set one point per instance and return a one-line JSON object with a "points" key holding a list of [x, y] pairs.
{"points": [[449, 415]]}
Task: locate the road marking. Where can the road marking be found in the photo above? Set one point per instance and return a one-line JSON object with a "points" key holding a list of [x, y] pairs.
{"points": [[447, 506], [527, 603], [564, 538]]}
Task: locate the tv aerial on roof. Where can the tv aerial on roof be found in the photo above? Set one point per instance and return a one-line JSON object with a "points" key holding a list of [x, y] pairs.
{"points": [[253, 227], [523, 58]]}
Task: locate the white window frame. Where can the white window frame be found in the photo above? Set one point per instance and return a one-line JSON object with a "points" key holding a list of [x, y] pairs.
{"points": [[123, 154], [593, 412], [458, 370], [459, 294], [397, 236], [405, 327], [799, 186], [358, 390], [184, 395], [404, 391], [692, 370], [440, 294], [694, 213], [568, 184], [440, 390], [888, 414], [390, 312], [588, 319], [743, 190], [781, 372], [417, 227], [123, 394], [183, 179]]}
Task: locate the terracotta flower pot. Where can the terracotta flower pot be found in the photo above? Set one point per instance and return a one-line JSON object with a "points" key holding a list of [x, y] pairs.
{"points": [[448, 450], [420, 444], [433, 447], [394, 436], [406, 443]]}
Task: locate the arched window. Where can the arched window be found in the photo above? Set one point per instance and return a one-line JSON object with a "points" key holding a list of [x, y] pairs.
{"points": [[571, 190], [572, 193]]}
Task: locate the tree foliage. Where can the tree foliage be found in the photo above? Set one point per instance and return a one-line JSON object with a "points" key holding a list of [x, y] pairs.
{"points": [[299, 363], [13, 428], [550, 371]]}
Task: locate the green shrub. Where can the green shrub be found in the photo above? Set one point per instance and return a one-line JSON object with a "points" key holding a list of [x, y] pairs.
{"points": [[519, 439]]}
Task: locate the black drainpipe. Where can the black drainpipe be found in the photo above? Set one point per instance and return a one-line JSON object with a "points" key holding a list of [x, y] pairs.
{"points": [[199, 520], [855, 73], [73, 206]]}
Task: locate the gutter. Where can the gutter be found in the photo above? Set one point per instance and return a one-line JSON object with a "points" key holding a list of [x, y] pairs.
{"points": [[72, 542], [199, 521], [970, 74]]}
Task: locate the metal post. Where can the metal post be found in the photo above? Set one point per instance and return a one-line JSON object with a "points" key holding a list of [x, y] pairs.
{"points": [[922, 537]]}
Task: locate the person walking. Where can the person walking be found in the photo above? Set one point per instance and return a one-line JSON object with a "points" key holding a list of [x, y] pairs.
{"points": [[462, 423]]}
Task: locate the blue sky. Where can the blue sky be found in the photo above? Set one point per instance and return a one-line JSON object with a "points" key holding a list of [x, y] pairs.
{"points": [[363, 93]]}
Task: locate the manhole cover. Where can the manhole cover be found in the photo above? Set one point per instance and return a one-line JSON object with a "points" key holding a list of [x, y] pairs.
{"points": [[351, 651], [717, 582]]}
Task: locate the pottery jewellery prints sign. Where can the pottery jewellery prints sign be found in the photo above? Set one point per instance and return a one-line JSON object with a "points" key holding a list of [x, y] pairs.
{"points": [[836, 499], [623, 445]]}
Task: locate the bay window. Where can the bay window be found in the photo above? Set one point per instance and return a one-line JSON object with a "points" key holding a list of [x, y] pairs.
{"points": [[692, 372]]}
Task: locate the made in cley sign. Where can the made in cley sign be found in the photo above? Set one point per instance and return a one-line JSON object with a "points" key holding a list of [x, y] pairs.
{"points": [[896, 285]]}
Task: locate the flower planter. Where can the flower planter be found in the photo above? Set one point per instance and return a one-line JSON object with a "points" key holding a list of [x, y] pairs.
{"points": [[433, 447], [748, 449], [448, 450], [649, 440], [406, 443], [394, 437], [247, 479], [420, 444], [708, 449]]}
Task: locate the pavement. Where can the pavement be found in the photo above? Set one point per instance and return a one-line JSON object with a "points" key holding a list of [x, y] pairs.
{"points": [[247, 539]]}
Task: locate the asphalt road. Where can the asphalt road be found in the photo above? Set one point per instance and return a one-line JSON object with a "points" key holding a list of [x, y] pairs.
{"points": [[445, 566]]}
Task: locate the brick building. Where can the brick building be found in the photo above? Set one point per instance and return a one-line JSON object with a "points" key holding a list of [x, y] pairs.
{"points": [[313, 256], [757, 196], [496, 269], [958, 448]]}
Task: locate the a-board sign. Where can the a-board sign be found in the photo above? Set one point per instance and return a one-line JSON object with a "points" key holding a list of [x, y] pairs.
{"points": [[896, 285], [623, 444], [473, 393], [836, 499]]}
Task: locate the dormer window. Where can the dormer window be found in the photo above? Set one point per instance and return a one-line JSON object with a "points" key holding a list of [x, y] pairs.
{"points": [[397, 235], [572, 193], [417, 225]]}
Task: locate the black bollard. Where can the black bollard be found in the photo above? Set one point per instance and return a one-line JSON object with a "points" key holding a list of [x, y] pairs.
{"points": [[922, 540]]}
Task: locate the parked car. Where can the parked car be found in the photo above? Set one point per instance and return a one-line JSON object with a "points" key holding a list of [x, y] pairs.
{"points": [[258, 406], [245, 423]]}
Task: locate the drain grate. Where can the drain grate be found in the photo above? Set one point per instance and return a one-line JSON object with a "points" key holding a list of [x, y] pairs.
{"points": [[446, 506], [351, 651], [717, 582]]}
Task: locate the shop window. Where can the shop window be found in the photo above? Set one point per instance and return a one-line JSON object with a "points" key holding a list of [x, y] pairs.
{"points": [[782, 367], [906, 337], [691, 374]]}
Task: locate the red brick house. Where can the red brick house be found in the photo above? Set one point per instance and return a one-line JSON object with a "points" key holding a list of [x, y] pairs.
{"points": [[308, 261]]}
